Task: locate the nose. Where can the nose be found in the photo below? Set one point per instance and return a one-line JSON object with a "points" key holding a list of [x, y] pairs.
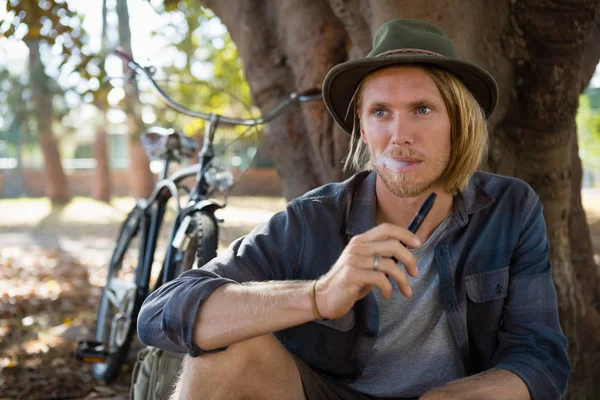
{"points": [[402, 132]]}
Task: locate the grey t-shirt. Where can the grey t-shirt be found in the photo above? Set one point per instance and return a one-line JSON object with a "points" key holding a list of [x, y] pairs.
{"points": [[415, 350]]}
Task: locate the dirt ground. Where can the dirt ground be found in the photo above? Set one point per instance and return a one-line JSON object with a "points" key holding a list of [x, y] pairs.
{"points": [[52, 268]]}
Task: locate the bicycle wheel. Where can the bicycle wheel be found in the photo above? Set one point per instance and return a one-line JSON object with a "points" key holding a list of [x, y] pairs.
{"points": [[207, 237], [115, 321]]}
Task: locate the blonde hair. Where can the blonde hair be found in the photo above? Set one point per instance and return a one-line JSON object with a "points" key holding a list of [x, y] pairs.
{"points": [[468, 131]]}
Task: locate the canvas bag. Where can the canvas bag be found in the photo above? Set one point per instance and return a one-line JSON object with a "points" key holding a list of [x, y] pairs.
{"points": [[154, 374]]}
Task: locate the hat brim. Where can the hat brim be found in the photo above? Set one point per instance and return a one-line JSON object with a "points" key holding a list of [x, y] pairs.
{"points": [[342, 81]]}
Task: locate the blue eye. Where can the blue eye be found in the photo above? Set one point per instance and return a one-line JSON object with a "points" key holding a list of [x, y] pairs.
{"points": [[423, 110], [379, 112]]}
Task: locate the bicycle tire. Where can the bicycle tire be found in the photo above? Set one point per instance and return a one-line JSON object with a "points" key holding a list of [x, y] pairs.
{"points": [[184, 260], [108, 370], [207, 237]]}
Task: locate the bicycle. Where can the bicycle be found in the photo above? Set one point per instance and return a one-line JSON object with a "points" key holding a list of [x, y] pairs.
{"points": [[196, 224]]}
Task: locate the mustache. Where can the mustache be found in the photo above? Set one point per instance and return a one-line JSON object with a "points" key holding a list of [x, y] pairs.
{"points": [[404, 152]]}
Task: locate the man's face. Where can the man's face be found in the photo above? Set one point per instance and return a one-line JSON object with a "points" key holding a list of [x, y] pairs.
{"points": [[404, 122]]}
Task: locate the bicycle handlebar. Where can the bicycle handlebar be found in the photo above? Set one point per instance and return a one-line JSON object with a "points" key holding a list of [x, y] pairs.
{"points": [[301, 97]]}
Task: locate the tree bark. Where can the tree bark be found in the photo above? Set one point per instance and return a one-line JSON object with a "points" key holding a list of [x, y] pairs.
{"points": [[141, 180], [56, 182], [355, 24], [540, 53], [540, 125], [101, 189]]}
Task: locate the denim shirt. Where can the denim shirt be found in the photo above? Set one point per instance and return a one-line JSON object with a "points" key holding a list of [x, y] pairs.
{"points": [[495, 282]]}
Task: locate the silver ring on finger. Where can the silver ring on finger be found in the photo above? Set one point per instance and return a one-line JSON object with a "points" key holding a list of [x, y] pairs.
{"points": [[376, 262]]}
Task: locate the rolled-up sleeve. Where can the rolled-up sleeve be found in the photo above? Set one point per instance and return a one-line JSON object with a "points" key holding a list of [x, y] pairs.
{"points": [[531, 343], [270, 252]]}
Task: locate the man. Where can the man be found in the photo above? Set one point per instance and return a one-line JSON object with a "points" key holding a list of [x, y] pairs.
{"points": [[334, 298]]}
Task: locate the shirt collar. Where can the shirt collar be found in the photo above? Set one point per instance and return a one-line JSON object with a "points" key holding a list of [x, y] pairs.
{"points": [[471, 199], [363, 209]]}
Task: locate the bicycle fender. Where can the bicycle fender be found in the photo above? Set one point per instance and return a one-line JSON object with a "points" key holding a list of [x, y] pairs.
{"points": [[208, 205]]}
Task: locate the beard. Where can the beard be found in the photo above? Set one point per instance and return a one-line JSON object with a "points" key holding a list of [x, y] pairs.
{"points": [[411, 183]]}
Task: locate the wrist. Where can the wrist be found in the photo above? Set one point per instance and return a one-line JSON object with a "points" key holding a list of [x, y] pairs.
{"points": [[314, 304]]}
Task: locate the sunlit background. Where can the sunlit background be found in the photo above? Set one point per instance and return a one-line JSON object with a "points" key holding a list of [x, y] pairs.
{"points": [[53, 256]]}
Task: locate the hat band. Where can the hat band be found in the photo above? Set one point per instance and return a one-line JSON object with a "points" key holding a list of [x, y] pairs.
{"points": [[408, 51]]}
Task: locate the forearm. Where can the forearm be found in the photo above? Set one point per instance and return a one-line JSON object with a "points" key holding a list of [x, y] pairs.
{"points": [[233, 313], [497, 384]]}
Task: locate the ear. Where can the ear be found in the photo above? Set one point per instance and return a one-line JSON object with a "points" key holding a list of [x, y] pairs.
{"points": [[363, 135]]}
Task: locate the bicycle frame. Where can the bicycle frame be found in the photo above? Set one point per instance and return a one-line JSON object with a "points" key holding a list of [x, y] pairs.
{"points": [[165, 189], [206, 156], [200, 191]]}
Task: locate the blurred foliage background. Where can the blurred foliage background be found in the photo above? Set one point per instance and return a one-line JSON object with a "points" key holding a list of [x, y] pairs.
{"points": [[64, 95]]}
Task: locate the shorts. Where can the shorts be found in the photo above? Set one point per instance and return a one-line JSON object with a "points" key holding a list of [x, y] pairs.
{"points": [[318, 387]]}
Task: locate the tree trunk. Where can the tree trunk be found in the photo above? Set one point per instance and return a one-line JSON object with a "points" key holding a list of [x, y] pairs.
{"points": [[540, 52], [141, 180], [56, 182], [273, 38], [539, 126], [101, 189]]}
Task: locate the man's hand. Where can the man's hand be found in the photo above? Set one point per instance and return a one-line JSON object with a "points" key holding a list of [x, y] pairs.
{"points": [[353, 275]]}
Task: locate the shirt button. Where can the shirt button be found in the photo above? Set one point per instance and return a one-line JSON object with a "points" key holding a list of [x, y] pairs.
{"points": [[499, 289]]}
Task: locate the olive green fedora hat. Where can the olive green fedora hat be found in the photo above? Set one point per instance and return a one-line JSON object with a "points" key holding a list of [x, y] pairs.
{"points": [[404, 41]]}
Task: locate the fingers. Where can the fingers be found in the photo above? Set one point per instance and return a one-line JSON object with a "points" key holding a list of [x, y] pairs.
{"points": [[391, 269], [390, 248], [386, 268], [387, 231], [389, 243], [374, 278]]}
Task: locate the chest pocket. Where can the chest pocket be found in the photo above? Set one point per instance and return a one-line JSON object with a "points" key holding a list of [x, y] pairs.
{"points": [[486, 292], [487, 286]]}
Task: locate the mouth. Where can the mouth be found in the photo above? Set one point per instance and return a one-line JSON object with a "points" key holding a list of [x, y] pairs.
{"points": [[398, 164]]}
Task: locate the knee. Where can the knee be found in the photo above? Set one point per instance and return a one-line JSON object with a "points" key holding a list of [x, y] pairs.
{"points": [[250, 368], [241, 359], [256, 354]]}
